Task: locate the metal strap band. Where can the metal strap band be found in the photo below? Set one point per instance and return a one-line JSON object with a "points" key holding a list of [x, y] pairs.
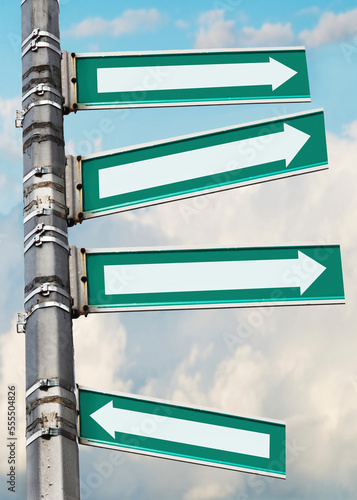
{"points": [[21, 322], [44, 384], [38, 212], [40, 89], [41, 228], [53, 303], [41, 103], [34, 45], [39, 239], [37, 33], [38, 172], [23, 1], [45, 289], [48, 433]]}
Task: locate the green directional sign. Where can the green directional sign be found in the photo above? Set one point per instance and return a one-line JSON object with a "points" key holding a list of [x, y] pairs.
{"points": [[132, 280], [144, 79], [168, 430], [178, 168]]}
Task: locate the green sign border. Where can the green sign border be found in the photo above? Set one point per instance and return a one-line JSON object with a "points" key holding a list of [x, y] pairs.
{"points": [[328, 288], [312, 157], [294, 90], [92, 434]]}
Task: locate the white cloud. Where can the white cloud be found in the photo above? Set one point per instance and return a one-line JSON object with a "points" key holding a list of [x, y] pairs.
{"points": [[182, 25], [11, 155], [309, 10], [10, 137], [210, 491], [12, 373], [100, 342], [350, 130], [268, 34], [331, 28], [216, 31], [131, 21], [71, 148], [298, 365], [288, 381], [2, 181], [241, 382]]}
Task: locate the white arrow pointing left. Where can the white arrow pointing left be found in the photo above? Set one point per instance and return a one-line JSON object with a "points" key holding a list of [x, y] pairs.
{"points": [[202, 162], [177, 430], [205, 276]]}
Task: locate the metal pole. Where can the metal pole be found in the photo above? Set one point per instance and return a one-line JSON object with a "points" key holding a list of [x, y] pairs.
{"points": [[52, 447]]}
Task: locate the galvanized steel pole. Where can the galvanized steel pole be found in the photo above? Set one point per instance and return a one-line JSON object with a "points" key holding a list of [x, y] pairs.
{"points": [[52, 447]]}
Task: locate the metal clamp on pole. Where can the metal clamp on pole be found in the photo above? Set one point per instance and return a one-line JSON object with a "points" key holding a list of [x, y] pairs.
{"points": [[69, 81], [45, 383], [74, 186], [37, 172], [23, 317], [32, 42], [45, 289], [49, 432], [49, 313], [23, 1], [41, 103], [38, 238], [41, 228], [51, 303], [41, 211], [40, 89], [19, 118], [21, 322], [78, 281]]}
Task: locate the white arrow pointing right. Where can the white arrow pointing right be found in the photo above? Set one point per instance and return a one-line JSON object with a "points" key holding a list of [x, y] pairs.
{"points": [[216, 275], [202, 162], [200, 76]]}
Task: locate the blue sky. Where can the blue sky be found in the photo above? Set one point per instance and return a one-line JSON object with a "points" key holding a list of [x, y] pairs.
{"points": [[292, 364]]}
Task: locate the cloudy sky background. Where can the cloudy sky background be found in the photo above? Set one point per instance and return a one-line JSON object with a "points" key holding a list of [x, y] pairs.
{"points": [[296, 364]]}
